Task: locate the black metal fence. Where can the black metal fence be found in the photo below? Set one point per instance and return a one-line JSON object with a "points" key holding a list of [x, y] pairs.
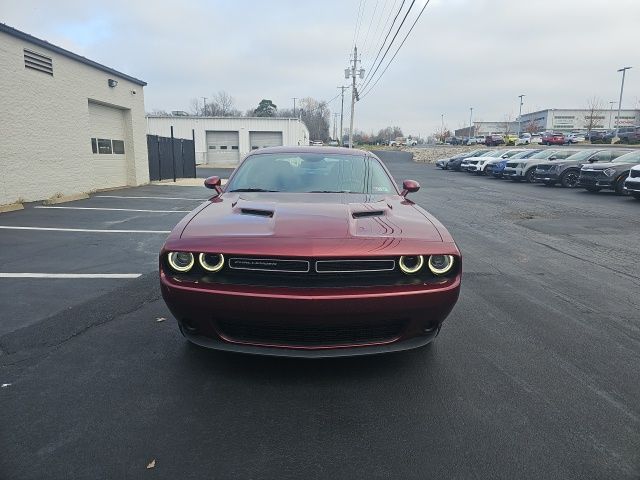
{"points": [[171, 158]]}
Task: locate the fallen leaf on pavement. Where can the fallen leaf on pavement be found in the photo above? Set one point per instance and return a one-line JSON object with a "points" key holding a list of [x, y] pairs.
{"points": [[6, 385], [152, 464], [160, 319]]}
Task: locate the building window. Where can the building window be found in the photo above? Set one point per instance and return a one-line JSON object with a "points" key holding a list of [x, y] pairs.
{"points": [[223, 147], [235, 147], [37, 61], [118, 147], [104, 145], [254, 147], [212, 147], [94, 145]]}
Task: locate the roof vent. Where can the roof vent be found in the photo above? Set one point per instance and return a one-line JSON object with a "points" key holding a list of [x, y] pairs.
{"points": [[368, 213], [257, 212], [37, 61]]}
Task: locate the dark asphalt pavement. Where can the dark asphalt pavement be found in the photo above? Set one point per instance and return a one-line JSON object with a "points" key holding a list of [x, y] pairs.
{"points": [[534, 375]]}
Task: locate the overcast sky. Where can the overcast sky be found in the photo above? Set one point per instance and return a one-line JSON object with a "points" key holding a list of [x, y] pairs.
{"points": [[461, 54]]}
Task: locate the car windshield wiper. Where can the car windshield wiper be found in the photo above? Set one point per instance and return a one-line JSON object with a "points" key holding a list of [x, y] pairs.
{"points": [[252, 190], [330, 191]]}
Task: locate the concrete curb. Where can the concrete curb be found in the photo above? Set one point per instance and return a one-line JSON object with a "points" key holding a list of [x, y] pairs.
{"points": [[11, 207], [65, 198]]}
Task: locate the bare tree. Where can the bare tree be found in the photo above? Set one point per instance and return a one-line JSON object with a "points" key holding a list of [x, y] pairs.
{"points": [[593, 119], [195, 108], [316, 116], [531, 126], [507, 123]]}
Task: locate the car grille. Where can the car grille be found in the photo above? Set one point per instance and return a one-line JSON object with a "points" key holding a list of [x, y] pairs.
{"points": [[308, 335], [634, 174], [512, 164], [590, 173]]}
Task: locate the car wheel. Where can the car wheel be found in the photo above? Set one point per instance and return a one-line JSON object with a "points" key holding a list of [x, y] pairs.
{"points": [[529, 175], [636, 195], [593, 189], [569, 179], [619, 188]]}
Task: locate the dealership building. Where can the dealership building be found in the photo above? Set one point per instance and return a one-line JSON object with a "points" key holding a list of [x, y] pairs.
{"points": [[558, 119], [223, 141], [70, 125]]}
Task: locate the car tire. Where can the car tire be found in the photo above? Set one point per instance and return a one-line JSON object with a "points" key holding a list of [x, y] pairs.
{"points": [[569, 179], [592, 189], [636, 195], [528, 176], [619, 188]]}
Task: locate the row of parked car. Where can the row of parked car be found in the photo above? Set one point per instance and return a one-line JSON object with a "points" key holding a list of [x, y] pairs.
{"points": [[628, 135], [594, 169]]}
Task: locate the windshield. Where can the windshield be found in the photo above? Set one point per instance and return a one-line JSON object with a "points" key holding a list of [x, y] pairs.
{"points": [[581, 155], [543, 154], [633, 157], [311, 173], [523, 154]]}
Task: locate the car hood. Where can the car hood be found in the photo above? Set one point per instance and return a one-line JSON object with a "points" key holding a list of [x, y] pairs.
{"points": [[311, 216]]}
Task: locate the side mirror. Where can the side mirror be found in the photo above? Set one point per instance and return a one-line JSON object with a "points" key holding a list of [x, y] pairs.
{"points": [[503, 156], [552, 158], [214, 183], [409, 186]]}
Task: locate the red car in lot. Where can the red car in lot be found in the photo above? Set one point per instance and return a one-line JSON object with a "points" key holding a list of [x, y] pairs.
{"points": [[310, 251], [553, 138]]}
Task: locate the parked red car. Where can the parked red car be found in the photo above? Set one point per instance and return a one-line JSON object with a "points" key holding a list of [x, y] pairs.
{"points": [[553, 138], [310, 251]]}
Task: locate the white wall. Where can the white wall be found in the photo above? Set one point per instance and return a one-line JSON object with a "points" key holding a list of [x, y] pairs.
{"points": [[294, 132], [45, 141]]}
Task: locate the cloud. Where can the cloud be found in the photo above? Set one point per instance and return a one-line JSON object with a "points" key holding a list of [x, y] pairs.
{"points": [[462, 53]]}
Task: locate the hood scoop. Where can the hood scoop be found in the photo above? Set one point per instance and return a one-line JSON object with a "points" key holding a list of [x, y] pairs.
{"points": [[368, 213], [257, 212]]}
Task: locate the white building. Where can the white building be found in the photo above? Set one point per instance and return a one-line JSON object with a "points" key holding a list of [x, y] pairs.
{"points": [[568, 120], [69, 125], [222, 141]]}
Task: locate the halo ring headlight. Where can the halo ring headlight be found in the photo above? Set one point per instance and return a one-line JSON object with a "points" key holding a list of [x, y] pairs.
{"points": [[211, 267], [181, 261], [419, 262], [440, 264]]}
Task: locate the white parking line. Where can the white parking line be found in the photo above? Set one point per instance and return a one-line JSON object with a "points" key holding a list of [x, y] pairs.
{"points": [[118, 209], [10, 227], [152, 198], [70, 275]]}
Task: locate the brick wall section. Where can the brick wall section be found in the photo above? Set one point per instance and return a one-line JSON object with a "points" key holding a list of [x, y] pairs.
{"points": [[45, 138]]}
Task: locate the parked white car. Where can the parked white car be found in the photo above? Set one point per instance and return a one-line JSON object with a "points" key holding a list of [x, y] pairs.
{"points": [[524, 139], [632, 183], [524, 169], [478, 164], [575, 137]]}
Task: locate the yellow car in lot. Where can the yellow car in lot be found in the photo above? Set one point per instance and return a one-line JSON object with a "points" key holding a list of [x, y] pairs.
{"points": [[510, 139]]}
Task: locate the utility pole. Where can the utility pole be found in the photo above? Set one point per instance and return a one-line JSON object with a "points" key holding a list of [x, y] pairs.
{"points": [[342, 89], [442, 127], [611, 104], [294, 106], [335, 125], [623, 70], [520, 116], [353, 71], [470, 125], [204, 104]]}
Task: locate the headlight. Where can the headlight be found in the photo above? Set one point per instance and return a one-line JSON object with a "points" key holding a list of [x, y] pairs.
{"points": [[211, 262], [609, 172], [411, 264], [522, 165], [440, 264], [180, 261], [481, 162]]}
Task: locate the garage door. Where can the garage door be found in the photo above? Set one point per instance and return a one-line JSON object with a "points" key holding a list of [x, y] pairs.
{"points": [[222, 147], [109, 158], [265, 139]]}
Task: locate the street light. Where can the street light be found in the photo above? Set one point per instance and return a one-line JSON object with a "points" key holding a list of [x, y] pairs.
{"points": [[624, 71], [520, 116], [470, 124]]}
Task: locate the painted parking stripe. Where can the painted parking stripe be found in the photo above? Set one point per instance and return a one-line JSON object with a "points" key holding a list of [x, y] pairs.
{"points": [[151, 198], [70, 275], [117, 209], [87, 230]]}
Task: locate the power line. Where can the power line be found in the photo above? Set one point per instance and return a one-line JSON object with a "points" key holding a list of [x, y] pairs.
{"points": [[390, 44], [382, 15], [366, 37], [394, 55], [386, 37], [358, 16]]}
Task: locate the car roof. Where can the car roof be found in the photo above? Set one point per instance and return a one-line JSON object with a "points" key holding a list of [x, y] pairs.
{"points": [[311, 149]]}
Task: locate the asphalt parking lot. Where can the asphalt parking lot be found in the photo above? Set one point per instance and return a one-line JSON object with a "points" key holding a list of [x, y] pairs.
{"points": [[534, 375]]}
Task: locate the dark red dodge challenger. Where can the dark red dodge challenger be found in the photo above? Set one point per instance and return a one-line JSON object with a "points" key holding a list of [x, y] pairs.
{"points": [[310, 251]]}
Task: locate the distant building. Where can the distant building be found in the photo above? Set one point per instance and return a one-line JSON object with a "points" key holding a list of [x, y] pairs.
{"points": [[557, 119], [70, 125], [223, 141]]}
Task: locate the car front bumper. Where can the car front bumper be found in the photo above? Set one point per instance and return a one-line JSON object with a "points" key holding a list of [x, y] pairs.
{"points": [[546, 177], [632, 185], [207, 314], [512, 173], [596, 182]]}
